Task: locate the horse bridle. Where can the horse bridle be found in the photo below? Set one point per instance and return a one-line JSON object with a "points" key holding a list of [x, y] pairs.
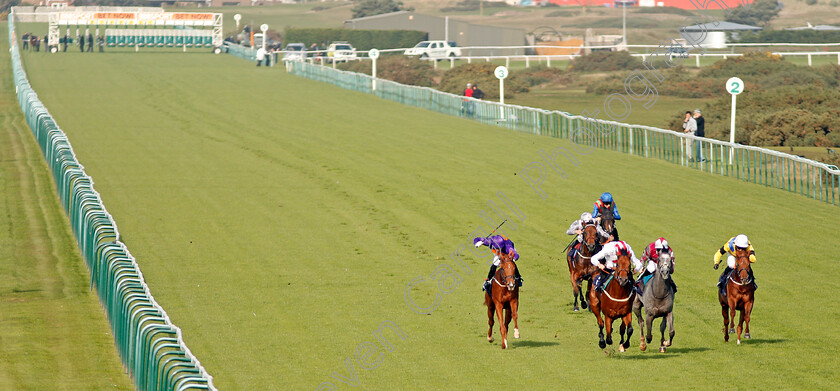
{"points": [[738, 272], [584, 239], [505, 277]]}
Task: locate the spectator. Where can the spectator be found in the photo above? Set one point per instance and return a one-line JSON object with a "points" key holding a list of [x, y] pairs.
{"points": [[260, 56], [65, 41], [466, 107], [701, 132], [89, 41], [36, 43], [81, 39], [25, 40], [477, 93], [689, 127], [101, 41]]}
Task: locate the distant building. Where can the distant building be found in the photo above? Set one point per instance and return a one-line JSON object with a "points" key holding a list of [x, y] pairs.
{"points": [[462, 33], [713, 35], [684, 4]]}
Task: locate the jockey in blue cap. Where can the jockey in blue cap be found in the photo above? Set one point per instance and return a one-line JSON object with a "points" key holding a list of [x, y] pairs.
{"points": [[602, 205], [498, 245]]}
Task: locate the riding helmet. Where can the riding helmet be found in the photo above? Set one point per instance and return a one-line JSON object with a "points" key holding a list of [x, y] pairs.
{"points": [[741, 241], [606, 198]]}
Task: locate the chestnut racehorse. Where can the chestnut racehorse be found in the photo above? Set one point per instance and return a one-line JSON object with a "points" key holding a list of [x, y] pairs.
{"points": [[740, 296], [614, 301], [504, 298], [580, 267]]}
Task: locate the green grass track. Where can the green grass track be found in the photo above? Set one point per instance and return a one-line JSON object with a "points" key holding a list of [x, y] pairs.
{"points": [[278, 221], [53, 333]]}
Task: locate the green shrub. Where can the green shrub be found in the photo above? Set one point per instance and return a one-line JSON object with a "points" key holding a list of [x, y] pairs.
{"points": [[664, 10], [539, 74], [797, 36], [750, 64], [360, 39], [605, 61], [401, 69], [455, 80]]}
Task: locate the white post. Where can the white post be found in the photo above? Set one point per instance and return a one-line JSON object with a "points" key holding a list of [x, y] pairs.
{"points": [[446, 28], [734, 86], [507, 61], [528, 65], [373, 54], [501, 73], [548, 60], [809, 59], [838, 58], [697, 58], [732, 131]]}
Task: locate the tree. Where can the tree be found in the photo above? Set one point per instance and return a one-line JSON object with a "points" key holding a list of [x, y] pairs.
{"points": [[756, 14], [6, 5], [376, 7]]}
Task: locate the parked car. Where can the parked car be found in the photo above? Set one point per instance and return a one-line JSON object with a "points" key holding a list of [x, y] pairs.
{"points": [[294, 52], [434, 50], [341, 51], [676, 51]]}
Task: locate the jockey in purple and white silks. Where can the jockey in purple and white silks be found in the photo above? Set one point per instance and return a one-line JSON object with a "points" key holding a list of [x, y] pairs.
{"points": [[577, 229], [609, 254], [498, 245]]}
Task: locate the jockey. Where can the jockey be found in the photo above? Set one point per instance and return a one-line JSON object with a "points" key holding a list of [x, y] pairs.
{"points": [[651, 256], [498, 245], [741, 241], [577, 229], [610, 254], [603, 204]]}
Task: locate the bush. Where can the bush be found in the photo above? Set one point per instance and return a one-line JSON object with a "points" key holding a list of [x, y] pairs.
{"points": [[749, 65], [401, 69], [539, 74], [605, 61], [664, 10], [455, 80], [376, 7], [797, 36], [811, 2], [360, 39]]}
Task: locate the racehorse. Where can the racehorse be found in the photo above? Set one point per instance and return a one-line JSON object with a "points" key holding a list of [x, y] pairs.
{"points": [[614, 301], [607, 223], [503, 299], [740, 295], [658, 300], [580, 267]]}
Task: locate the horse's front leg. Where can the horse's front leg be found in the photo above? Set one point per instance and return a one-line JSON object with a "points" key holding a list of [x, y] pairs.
{"points": [[671, 332], [583, 297], [514, 308], [491, 312], [500, 313], [608, 321], [732, 311], [637, 310], [575, 287], [747, 311], [628, 322], [649, 326], [740, 325], [724, 309]]}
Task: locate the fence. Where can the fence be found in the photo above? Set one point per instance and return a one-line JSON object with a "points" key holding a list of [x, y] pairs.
{"points": [[752, 164], [151, 348]]}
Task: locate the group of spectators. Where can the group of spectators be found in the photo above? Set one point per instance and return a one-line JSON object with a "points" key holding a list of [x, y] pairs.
{"points": [[694, 125], [468, 106], [33, 43]]}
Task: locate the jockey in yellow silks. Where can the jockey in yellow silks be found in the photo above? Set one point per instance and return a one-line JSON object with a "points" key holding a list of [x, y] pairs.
{"points": [[736, 242]]}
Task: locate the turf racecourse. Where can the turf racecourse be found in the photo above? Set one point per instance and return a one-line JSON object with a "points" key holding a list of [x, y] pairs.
{"points": [[278, 221], [53, 333]]}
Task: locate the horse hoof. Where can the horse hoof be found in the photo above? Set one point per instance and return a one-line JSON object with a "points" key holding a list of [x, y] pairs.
{"points": [[583, 305], [504, 343], [666, 343], [576, 309], [643, 347], [747, 335], [739, 342], [490, 339], [732, 331], [516, 333], [609, 340], [662, 349], [602, 344], [621, 348]]}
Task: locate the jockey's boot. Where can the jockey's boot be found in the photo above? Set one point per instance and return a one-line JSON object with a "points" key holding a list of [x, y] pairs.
{"points": [[639, 287], [673, 284], [596, 282], [519, 279], [485, 287]]}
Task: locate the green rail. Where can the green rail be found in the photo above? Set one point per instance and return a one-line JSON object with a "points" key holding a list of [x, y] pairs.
{"points": [[751, 164], [151, 348]]}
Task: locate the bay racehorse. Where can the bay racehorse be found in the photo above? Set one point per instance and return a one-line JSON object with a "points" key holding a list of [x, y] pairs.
{"points": [[503, 298], [615, 301], [607, 223], [740, 296], [658, 300], [580, 266]]}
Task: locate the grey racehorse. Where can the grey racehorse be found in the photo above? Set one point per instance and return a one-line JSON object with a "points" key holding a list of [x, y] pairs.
{"points": [[658, 300]]}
